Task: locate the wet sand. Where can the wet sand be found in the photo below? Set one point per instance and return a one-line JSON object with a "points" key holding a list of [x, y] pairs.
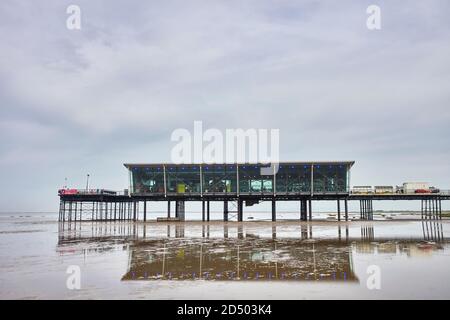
{"points": [[216, 260]]}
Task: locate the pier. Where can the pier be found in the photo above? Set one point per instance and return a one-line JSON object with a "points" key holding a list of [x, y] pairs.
{"points": [[235, 185]]}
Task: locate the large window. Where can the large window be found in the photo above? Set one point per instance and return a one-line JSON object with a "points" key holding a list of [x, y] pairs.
{"points": [[183, 178], [251, 180], [330, 178], [148, 179], [293, 178], [219, 178]]}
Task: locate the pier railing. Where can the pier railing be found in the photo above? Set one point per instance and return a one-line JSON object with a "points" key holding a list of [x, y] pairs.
{"points": [[441, 192], [66, 191], [125, 192]]}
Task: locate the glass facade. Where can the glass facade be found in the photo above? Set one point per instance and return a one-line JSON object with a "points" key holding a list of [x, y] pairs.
{"points": [[252, 182], [291, 178], [148, 180], [219, 178], [330, 178], [183, 179]]}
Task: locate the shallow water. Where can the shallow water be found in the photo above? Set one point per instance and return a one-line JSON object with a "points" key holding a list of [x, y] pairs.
{"points": [[250, 260]]}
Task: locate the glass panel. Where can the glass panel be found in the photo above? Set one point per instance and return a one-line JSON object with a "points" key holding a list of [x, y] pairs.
{"points": [[219, 178], [148, 179], [251, 180], [330, 178], [183, 178], [293, 178]]}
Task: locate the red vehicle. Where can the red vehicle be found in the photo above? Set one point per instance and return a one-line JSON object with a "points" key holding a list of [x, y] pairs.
{"points": [[422, 191], [67, 191]]}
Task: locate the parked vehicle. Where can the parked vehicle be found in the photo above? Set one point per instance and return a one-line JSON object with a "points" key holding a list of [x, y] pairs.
{"points": [[399, 189], [411, 187], [109, 192], [362, 189], [434, 190], [384, 189], [422, 191], [67, 191]]}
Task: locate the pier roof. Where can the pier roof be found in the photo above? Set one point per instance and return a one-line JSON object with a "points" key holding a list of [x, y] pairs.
{"points": [[347, 162]]}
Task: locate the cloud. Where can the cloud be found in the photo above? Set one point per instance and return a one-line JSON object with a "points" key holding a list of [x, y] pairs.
{"points": [[113, 91]]}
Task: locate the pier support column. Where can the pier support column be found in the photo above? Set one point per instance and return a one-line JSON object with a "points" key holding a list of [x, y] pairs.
{"points": [[440, 208], [135, 210], [274, 210], [421, 209], [168, 209], [145, 210], [431, 209], [364, 211], [225, 210], [64, 212], [240, 210], [207, 210], [179, 209], [360, 209], [130, 211], [366, 207], [310, 209], [339, 209], [203, 210], [60, 210], [303, 214], [346, 209]]}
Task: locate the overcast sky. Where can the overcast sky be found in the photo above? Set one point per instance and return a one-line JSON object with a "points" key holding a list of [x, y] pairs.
{"points": [[86, 101]]}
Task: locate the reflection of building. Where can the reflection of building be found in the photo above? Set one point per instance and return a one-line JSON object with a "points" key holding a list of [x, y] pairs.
{"points": [[247, 259]]}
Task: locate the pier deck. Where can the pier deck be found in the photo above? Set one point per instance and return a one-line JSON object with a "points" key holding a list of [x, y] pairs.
{"points": [[86, 206], [238, 184]]}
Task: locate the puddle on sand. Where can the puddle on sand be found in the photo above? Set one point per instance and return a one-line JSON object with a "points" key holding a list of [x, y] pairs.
{"points": [[192, 260]]}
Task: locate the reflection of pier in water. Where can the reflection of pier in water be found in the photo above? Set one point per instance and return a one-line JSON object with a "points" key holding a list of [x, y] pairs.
{"points": [[251, 258], [232, 251], [432, 230]]}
